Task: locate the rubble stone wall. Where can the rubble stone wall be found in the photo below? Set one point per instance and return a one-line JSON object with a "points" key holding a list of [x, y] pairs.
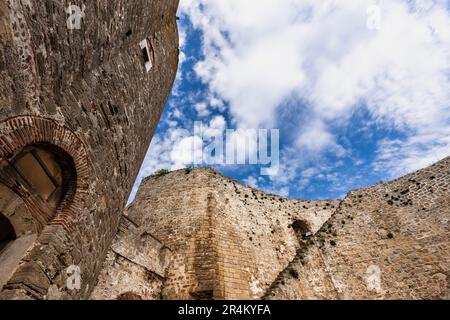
{"points": [[89, 85], [390, 241], [228, 241]]}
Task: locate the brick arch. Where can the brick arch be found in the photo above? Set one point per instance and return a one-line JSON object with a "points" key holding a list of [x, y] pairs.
{"points": [[22, 131]]}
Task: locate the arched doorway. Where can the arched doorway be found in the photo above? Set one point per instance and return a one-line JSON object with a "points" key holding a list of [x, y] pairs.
{"points": [[7, 232], [33, 184], [18, 232]]}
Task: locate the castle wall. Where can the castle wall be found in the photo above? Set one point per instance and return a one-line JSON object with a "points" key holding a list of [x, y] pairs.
{"points": [[227, 241], [136, 263], [257, 236], [173, 208], [88, 92], [389, 241]]}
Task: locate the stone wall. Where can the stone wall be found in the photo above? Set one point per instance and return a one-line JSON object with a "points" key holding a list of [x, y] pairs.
{"points": [[136, 264], [88, 92], [227, 241], [390, 241]]}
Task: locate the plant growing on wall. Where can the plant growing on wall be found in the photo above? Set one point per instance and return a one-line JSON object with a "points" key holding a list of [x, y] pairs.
{"points": [[161, 172]]}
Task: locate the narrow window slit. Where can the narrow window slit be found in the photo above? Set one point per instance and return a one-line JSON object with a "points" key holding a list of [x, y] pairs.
{"points": [[147, 54]]}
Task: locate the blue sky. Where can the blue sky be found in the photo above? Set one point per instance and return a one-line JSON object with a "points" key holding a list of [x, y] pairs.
{"points": [[359, 90]]}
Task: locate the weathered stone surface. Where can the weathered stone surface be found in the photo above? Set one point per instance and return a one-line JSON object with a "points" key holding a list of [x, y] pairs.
{"points": [[88, 92], [226, 240], [232, 242], [398, 230], [136, 263]]}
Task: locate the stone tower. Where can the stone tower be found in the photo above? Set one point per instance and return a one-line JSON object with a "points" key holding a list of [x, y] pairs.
{"points": [[82, 88]]}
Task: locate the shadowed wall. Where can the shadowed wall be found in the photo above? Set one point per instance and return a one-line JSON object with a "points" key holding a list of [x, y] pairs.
{"points": [[88, 93]]}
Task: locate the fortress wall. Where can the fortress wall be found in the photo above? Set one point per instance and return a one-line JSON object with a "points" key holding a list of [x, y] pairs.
{"points": [[136, 263], [90, 84], [259, 225], [399, 230], [227, 241], [173, 208]]}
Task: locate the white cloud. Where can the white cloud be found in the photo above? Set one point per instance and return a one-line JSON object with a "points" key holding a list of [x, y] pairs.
{"points": [[185, 152], [168, 151], [258, 55], [216, 127], [315, 137], [251, 182], [181, 60], [205, 109], [321, 52], [177, 148], [202, 109], [284, 192], [400, 157]]}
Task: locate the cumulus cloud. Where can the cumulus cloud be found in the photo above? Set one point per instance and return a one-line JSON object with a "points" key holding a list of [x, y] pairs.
{"points": [[202, 109], [251, 182], [175, 149], [178, 148], [216, 127], [400, 157], [256, 57], [328, 58], [315, 137]]}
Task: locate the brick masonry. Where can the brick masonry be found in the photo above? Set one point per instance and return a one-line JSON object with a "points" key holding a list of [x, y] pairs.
{"points": [[88, 92], [227, 241], [399, 230], [136, 263]]}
